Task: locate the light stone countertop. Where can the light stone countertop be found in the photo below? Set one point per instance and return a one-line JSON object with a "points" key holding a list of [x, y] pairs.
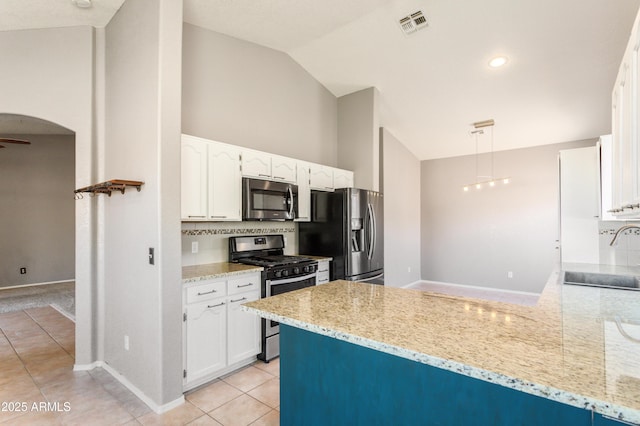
{"points": [[312, 257], [567, 348], [195, 273]]}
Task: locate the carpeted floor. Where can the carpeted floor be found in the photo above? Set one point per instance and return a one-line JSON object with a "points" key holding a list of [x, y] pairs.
{"points": [[61, 296]]}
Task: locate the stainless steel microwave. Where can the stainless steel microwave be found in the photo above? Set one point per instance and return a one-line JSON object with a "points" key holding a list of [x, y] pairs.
{"points": [[269, 200]]}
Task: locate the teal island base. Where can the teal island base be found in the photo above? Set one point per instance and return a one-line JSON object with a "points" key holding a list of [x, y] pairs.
{"points": [[326, 381]]}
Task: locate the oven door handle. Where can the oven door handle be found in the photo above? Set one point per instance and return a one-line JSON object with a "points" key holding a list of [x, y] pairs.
{"points": [[290, 280]]}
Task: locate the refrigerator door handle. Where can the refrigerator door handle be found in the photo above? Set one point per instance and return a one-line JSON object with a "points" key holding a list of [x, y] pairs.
{"points": [[375, 230], [372, 231]]}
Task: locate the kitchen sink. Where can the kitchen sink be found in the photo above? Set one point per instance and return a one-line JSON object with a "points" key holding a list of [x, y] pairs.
{"points": [[624, 282]]}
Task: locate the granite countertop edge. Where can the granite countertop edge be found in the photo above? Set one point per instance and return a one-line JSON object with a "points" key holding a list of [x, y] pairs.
{"points": [[615, 411], [218, 270]]}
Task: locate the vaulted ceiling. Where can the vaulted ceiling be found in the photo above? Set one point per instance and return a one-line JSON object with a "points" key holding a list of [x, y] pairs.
{"points": [[563, 57]]}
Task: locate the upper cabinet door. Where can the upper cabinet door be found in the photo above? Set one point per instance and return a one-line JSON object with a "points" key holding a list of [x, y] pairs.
{"points": [[342, 178], [194, 178], [321, 177], [304, 193], [256, 164], [283, 168], [225, 183]]}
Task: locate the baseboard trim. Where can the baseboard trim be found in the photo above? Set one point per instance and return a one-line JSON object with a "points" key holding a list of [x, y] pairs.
{"points": [[63, 313], [159, 409], [36, 284], [413, 283], [477, 287]]}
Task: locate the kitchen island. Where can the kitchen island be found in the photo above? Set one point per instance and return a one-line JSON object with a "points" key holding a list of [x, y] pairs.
{"points": [[366, 354]]}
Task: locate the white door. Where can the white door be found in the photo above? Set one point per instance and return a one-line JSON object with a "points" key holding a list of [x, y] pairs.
{"points": [[256, 164], [244, 328], [283, 169], [342, 178], [304, 193], [194, 178], [321, 177], [579, 205], [206, 337], [225, 183]]}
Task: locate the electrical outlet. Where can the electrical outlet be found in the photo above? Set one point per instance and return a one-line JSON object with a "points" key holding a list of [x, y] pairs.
{"points": [[194, 247], [126, 342], [23, 271], [510, 274]]}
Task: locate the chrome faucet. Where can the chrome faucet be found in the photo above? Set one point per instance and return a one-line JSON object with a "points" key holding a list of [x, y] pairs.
{"points": [[622, 228]]}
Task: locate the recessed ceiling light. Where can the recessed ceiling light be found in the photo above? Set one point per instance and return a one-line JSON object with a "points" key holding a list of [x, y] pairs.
{"points": [[83, 4], [498, 61]]}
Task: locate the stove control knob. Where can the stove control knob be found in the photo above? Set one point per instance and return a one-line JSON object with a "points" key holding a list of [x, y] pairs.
{"points": [[296, 270], [305, 269], [278, 274], [285, 273]]}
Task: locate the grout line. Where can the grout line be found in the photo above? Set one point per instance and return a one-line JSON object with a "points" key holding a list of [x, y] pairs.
{"points": [[22, 360], [49, 334]]}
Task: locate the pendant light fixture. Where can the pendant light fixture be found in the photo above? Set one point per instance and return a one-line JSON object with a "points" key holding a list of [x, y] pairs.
{"points": [[484, 181]]}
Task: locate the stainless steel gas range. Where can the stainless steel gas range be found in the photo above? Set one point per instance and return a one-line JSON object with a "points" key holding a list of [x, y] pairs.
{"points": [[281, 274]]}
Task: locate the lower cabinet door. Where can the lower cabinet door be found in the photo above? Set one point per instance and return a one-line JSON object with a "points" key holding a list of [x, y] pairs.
{"points": [[244, 328], [206, 337]]}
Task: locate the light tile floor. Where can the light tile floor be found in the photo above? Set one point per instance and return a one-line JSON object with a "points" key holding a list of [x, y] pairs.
{"points": [[39, 387]]}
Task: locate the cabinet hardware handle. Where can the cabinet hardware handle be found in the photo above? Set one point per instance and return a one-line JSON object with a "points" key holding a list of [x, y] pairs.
{"points": [[244, 285], [323, 270], [218, 217], [239, 300], [215, 306], [260, 174], [278, 177], [207, 292], [195, 216]]}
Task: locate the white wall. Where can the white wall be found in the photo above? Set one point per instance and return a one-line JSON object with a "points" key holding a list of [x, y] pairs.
{"points": [[401, 188], [477, 237], [37, 228], [245, 94], [358, 137], [49, 74], [142, 132]]}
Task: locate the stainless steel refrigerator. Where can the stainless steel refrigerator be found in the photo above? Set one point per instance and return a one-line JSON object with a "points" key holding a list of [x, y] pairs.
{"points": [[346, 225]]}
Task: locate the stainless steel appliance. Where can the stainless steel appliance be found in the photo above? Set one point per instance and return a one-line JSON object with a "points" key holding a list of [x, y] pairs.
{"points": [[281, 274], [347, 225], [269, 200]]}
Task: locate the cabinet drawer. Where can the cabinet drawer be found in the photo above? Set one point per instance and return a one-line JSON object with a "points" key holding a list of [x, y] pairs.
{"points": [[244, 284], [323, 277], [206, 291]]}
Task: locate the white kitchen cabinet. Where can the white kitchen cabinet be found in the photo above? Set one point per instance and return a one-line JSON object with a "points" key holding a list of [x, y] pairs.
{"points": [[283, 168], [225, 183], [342, 178], [194, 178], [321, 177], [304, 192], [579, 204], [625, 132], [211, 183], [206, 333], [219, 337], [256, 164], [244, 328], [323, 272]]}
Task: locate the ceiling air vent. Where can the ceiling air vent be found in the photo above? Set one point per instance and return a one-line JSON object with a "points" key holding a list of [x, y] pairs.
{"points": [[414, 22]]}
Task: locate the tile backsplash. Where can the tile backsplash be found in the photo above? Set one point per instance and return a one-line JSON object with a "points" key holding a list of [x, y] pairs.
{"points": [[626, 250], [213, 238]]}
